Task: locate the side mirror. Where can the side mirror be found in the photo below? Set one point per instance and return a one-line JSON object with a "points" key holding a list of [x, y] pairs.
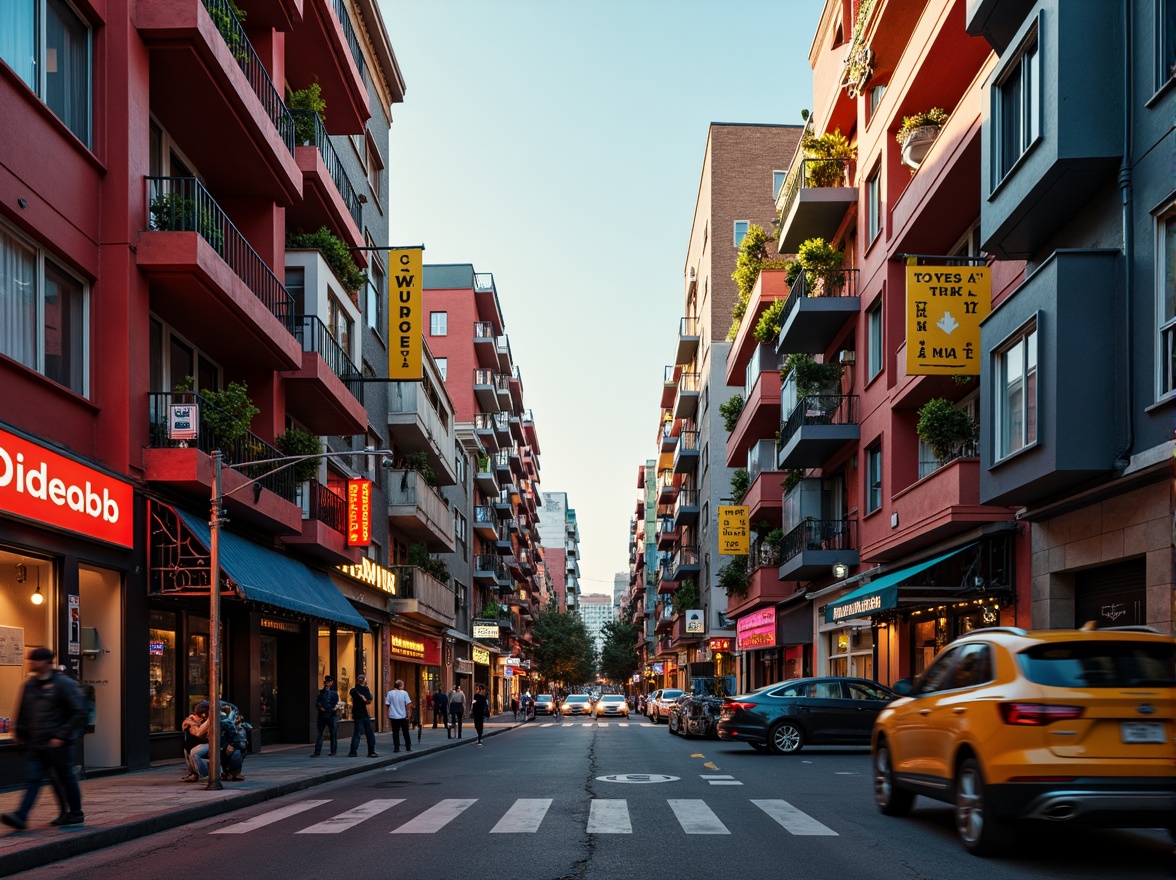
{"points": [[903, 687]]}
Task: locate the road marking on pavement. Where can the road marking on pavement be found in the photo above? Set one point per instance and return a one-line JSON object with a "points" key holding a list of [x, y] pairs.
{"points": [[272, 816], [436, 817], [548, 724], [710, 765], [524, 817], [698, 755], [720, 780], [609, 817], [622, 724], [793, 820], [602, 724], [351, 818], [696, 817], [568, 724]]}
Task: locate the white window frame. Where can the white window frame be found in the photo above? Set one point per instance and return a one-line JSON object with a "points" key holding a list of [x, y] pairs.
{"points": [[875, 339], [1025, 67], [1025, 342], [738, 239], [1165, 263], [442, 368], [873, 486], [438, 323]]}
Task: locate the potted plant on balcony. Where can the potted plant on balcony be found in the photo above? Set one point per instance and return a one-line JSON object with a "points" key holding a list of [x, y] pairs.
{"points": [[174, 211], [945, 428], [917, 133], [418, 555], [730, 410], [491, 610], [733, 577], [419, 462], [767, 329], [755, 255], [823, 266], [740, 483], [229, 412], [811, 377], [296, 441], [827, 157], [336, 254], [792, 479], [307, 99], [685, 597]]}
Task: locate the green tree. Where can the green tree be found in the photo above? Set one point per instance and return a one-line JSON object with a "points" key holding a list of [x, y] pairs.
{"points": [[564, 652], [618, 654]]}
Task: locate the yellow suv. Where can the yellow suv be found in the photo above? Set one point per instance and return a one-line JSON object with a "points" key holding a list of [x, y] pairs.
{"points": [[1054, 726]]}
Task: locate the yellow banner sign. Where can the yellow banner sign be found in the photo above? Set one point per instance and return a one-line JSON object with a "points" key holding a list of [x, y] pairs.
{"points": [[481, 656], [945, 305], [734, 533], [405, 314]]}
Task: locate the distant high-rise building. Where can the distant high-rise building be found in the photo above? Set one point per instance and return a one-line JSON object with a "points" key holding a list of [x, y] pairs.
{"points": [[559, 536], [596, 610], [620, 591]]}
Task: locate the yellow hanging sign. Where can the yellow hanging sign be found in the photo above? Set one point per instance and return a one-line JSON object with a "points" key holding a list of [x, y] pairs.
{"points": [[945, 305], [734, 533], [405, 310]]}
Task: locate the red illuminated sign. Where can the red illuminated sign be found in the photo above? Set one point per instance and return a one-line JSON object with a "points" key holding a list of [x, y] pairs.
{"points": [[720, 644], [57, 491], [359, 513]]}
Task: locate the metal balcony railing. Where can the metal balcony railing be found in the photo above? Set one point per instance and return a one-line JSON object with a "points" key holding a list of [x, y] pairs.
{"points": [[325, 506], [484, 282], [222, 15], [310, 132], [502, 383], [813, 173], [350, 36], [688, 382], [665, 479], [820, 409], [484, 377], [483, 330], [686, 498], [837, 282], [688, 327], [688, 441], [315, 336], [819, 534], [484, 421], [763, 556], [502, 423], [684, 557], [502, 459], [182, 204], [491, 562], [929, 465], [239, 452], [485, 514]]}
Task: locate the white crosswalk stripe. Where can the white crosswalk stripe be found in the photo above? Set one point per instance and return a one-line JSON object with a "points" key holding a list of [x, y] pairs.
{"points": [[608, 816], [718, 779], [524, 817], [340, 823], [436, 817], [269, 818], [696, 817], [793, 820], [548, 724]]}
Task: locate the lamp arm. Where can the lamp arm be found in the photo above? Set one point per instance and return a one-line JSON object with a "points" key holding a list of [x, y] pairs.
{"points": [[291, 460]]}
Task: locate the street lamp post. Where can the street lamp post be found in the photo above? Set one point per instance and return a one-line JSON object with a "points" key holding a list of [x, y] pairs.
{"points": [[214, 627]]}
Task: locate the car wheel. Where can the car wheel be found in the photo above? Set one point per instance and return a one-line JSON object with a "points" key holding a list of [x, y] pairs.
{"points": [[786, 738], [981, 831], [759, 747], [891, 800]]}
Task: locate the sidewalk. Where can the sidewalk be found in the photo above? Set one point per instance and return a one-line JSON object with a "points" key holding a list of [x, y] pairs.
{"points": [[132, 805]]}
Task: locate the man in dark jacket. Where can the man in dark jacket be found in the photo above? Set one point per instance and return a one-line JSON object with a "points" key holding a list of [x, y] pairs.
{"points": [[49, 721], [327, 704], [440, 708], [361, 714]]}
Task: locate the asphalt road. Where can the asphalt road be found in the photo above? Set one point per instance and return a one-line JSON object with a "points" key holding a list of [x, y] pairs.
{"points": [[537, 803]]}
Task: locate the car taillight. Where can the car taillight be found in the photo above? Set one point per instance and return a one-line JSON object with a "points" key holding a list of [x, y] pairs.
{"points": [[732, 706], [1038, 714]]}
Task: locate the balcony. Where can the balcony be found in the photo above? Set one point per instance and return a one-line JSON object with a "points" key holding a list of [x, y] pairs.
{"points": [[281, 15], [766, 490], [810, 550], [686, 508], [668, 435], [760, 416], [199, 51], [686, 453], [771, 285], [996, 20], [764, 587], [421, 597], [419, 511], [207, 279], [324, 527], [485, 521], [665, 618], [813, 201], [530, 434], [484, 429], [485, 390], [516, 389], [489, 569], [685, 563], [687, 340], [485, 345], [486, 478], [502, 429], [667, 535], [328, 198], [667, 486], [818, 427], [669, 386], [816, 309], [505, 363], [503, 502], [325, 49], [502, 386], [686, 400], [417, 425], [326, 395], [186, 467]]}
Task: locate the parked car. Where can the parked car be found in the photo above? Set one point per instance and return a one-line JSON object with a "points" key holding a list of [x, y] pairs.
{"points": [[545, 705], [695, 715], [1056, 726], [786, 716], [611, 704], [576, 704], [659, 704]]}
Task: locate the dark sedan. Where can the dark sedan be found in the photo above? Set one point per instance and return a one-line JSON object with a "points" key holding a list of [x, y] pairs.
{"points": [[695, 715], [789, 715]]}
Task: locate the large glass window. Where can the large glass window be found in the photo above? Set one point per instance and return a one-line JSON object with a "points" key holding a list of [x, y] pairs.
{"points": [[24, 620], [161, 671], [1016, 394], [47, 44], [42, 313], [874, 340], [1017, 108], [1166, 270]]}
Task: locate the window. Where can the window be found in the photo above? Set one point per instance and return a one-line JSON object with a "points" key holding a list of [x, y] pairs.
{"points": [[740, 231], [974, 668], [459, 468], [461, 531], [777, 182], [937, 676], [1165, 42], [339, 324], [873, 206], [928, 463], [1016, 109], [438, 323], [47, 44], [1166, 269], [874, 97], [1016, 394], [443, 368], [873, 478], [375, 169], [377, 288], [43, 314], [874, 340]]}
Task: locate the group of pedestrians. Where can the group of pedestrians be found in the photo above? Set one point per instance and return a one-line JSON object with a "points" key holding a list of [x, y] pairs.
{"points": [[449, 709]]}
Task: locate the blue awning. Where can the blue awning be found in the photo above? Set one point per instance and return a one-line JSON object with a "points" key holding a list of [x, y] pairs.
{"points": [[273, 579], [880, 594]]}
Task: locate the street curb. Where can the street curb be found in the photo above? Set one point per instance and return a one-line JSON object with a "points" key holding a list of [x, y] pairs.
{"points": [[71, 844]]}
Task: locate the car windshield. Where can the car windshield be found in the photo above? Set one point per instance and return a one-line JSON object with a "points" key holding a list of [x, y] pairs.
{"points": [[613, 698], [577, 698], [1101, 664], [670, 695], [544, 698]]}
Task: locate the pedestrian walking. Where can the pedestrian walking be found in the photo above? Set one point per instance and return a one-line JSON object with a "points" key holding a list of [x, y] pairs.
{"points": [[456, 709], [398, 703], [361, 714], [50, 718], [480, 710], [195, 734], [514, 707], [440, 708], [327, 705]]}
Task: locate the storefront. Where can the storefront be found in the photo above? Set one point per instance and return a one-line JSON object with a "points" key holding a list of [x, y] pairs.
{"points": [[67, 570], [415, 659]]}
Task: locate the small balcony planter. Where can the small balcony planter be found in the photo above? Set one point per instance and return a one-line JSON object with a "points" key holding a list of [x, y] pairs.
{"points": [[916, 135]]}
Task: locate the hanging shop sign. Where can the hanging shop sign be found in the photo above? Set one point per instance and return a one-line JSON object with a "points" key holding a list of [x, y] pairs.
{"points": [[694, 621], [756, 630], [359, 513], [372, 574], [410, 646], [183, 421], [405, 314], [485, 629], [719, 644], [734, 532], [481, 656], [57, 491], [945, 305], [464, 667]]}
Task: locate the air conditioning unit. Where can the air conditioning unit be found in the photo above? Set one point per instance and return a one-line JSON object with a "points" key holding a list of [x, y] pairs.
{"points": [[847, 357], [693, 274]]}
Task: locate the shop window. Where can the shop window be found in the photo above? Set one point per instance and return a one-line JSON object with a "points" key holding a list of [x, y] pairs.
{"points": [[267, 680], [162, 662], [198, 660], [24, 620]]}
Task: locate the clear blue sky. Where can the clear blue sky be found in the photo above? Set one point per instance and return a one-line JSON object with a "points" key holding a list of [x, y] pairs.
{"points": [[558, 145]]}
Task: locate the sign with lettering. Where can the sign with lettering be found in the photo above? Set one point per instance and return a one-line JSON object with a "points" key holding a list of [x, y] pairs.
{"points": [[359, 513], [183, 421], [481, 656], [694, 621], [485, 629], [945, 305], [372, 574], [405, 314], [756, 630], [54, 490], [719, 644], [404, 644], [734, 533]]}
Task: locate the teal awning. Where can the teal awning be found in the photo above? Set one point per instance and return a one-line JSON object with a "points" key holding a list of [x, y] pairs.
{"points": [[268, 577], [880, 594]]}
